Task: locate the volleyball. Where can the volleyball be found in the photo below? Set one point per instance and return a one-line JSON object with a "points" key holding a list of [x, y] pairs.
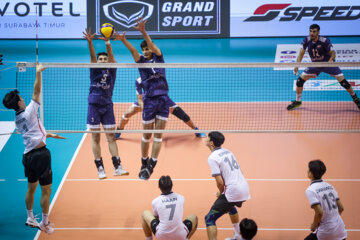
{"points": [[107, 30]]}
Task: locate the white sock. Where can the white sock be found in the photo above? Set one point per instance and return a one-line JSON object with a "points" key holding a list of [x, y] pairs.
{"points": [[298, 97], [30, 213], [45, 218], [154, 159], [236, 228], [149, 238]]}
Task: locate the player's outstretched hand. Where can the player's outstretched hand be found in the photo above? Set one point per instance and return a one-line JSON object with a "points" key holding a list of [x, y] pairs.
{"points": [[141, 24], [296, 71], [118, 36], [87, 34], [53, 135], [40, 68]]}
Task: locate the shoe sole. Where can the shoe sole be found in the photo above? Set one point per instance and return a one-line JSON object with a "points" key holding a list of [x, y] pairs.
{"points": [[143, 178], [103, 178], [122, 174], [294, 107], [32, 226]]}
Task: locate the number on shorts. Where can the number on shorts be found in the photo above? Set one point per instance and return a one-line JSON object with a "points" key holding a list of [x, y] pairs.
{"points": [[233, 164], [172, 210], [331, 200], [25, 128]]}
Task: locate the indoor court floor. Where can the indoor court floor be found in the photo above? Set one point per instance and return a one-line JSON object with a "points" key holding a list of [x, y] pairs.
{"points": [[275, 164]]}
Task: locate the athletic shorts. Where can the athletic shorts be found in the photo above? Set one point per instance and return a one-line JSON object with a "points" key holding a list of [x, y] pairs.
{"points": [[155, 222], [329, 70], [37, 165], [103, 114], [156, 107], [171, 103], [223, 206]]}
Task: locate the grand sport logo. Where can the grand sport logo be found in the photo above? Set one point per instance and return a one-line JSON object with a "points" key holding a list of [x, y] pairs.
{"points": [[268, 12], [164, 17], [126, 12]]}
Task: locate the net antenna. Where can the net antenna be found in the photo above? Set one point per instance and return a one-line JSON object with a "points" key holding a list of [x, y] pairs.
{"points": [[37, 62]]}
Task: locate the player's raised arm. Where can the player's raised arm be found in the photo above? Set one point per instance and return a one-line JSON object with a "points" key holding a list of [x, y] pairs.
{"points": [[111, 58], [89, 37], [150, 43], [128, 45], [38, 82]]}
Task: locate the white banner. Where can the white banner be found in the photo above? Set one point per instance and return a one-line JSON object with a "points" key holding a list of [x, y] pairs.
{"points": [[55, 19], [327, 85], [272, 18], [287, 53]]}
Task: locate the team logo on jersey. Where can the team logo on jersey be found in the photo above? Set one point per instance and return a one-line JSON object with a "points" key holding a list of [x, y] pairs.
{"points": [[268, 12], [134, 10]]}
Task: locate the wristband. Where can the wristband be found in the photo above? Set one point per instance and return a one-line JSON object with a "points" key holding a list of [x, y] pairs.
{"points": [[107, 42]]}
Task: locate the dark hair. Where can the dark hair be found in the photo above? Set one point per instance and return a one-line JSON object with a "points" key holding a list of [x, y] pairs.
{"points": [[248, 228], [165, 184], [315, 26], [101, 53], [317, 168], [11, 100], [143, 44], [217, 138]]}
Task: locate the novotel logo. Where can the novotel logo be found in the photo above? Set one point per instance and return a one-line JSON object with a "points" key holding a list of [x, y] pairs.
{"points": [[23, 9]]}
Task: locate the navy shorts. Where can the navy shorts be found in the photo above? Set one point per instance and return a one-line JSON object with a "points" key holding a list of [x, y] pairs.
{"points": [[156, 107], [223, 205], [37, 164], [317, 70], [170, 102], [100, 114]]}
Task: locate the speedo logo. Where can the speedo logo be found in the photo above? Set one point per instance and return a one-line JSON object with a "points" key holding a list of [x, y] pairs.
{"points": [[268, 12], [138, 9]]}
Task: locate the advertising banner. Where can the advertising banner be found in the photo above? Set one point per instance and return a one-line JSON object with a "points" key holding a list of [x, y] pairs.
{"points": [[276, 18], [287, 53], [52, 19], [181, 18]]}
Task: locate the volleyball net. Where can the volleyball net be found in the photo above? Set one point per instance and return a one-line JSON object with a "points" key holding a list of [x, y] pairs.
{"points": [[228, 97]]}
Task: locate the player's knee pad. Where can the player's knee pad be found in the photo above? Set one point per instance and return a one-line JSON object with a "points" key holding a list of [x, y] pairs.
{"points": [[211, 217], [233, 211], [179, 113], [300, 82], [345, 84]]}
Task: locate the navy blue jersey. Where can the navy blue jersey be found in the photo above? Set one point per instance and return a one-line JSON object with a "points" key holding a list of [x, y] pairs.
{"points": [[153, 80], [319, 51], [102, 82]]}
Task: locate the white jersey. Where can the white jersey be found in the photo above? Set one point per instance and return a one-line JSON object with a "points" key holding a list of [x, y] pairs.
{"points": [[223, 162], [331, 226], [169, 209], [28, 124]]}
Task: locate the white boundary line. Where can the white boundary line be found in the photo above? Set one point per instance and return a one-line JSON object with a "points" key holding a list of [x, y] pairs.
{"points": [[63, 180], [209, 179], [230, 229], [2, 180]]}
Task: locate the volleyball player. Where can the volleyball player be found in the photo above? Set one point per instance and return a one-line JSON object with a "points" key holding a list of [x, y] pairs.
{"points": [[100, 107], [165, 222], [36, 158], [227, 173], [155, 97], [137, 107], [248, 229], [320, 49], [327, 206]]}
